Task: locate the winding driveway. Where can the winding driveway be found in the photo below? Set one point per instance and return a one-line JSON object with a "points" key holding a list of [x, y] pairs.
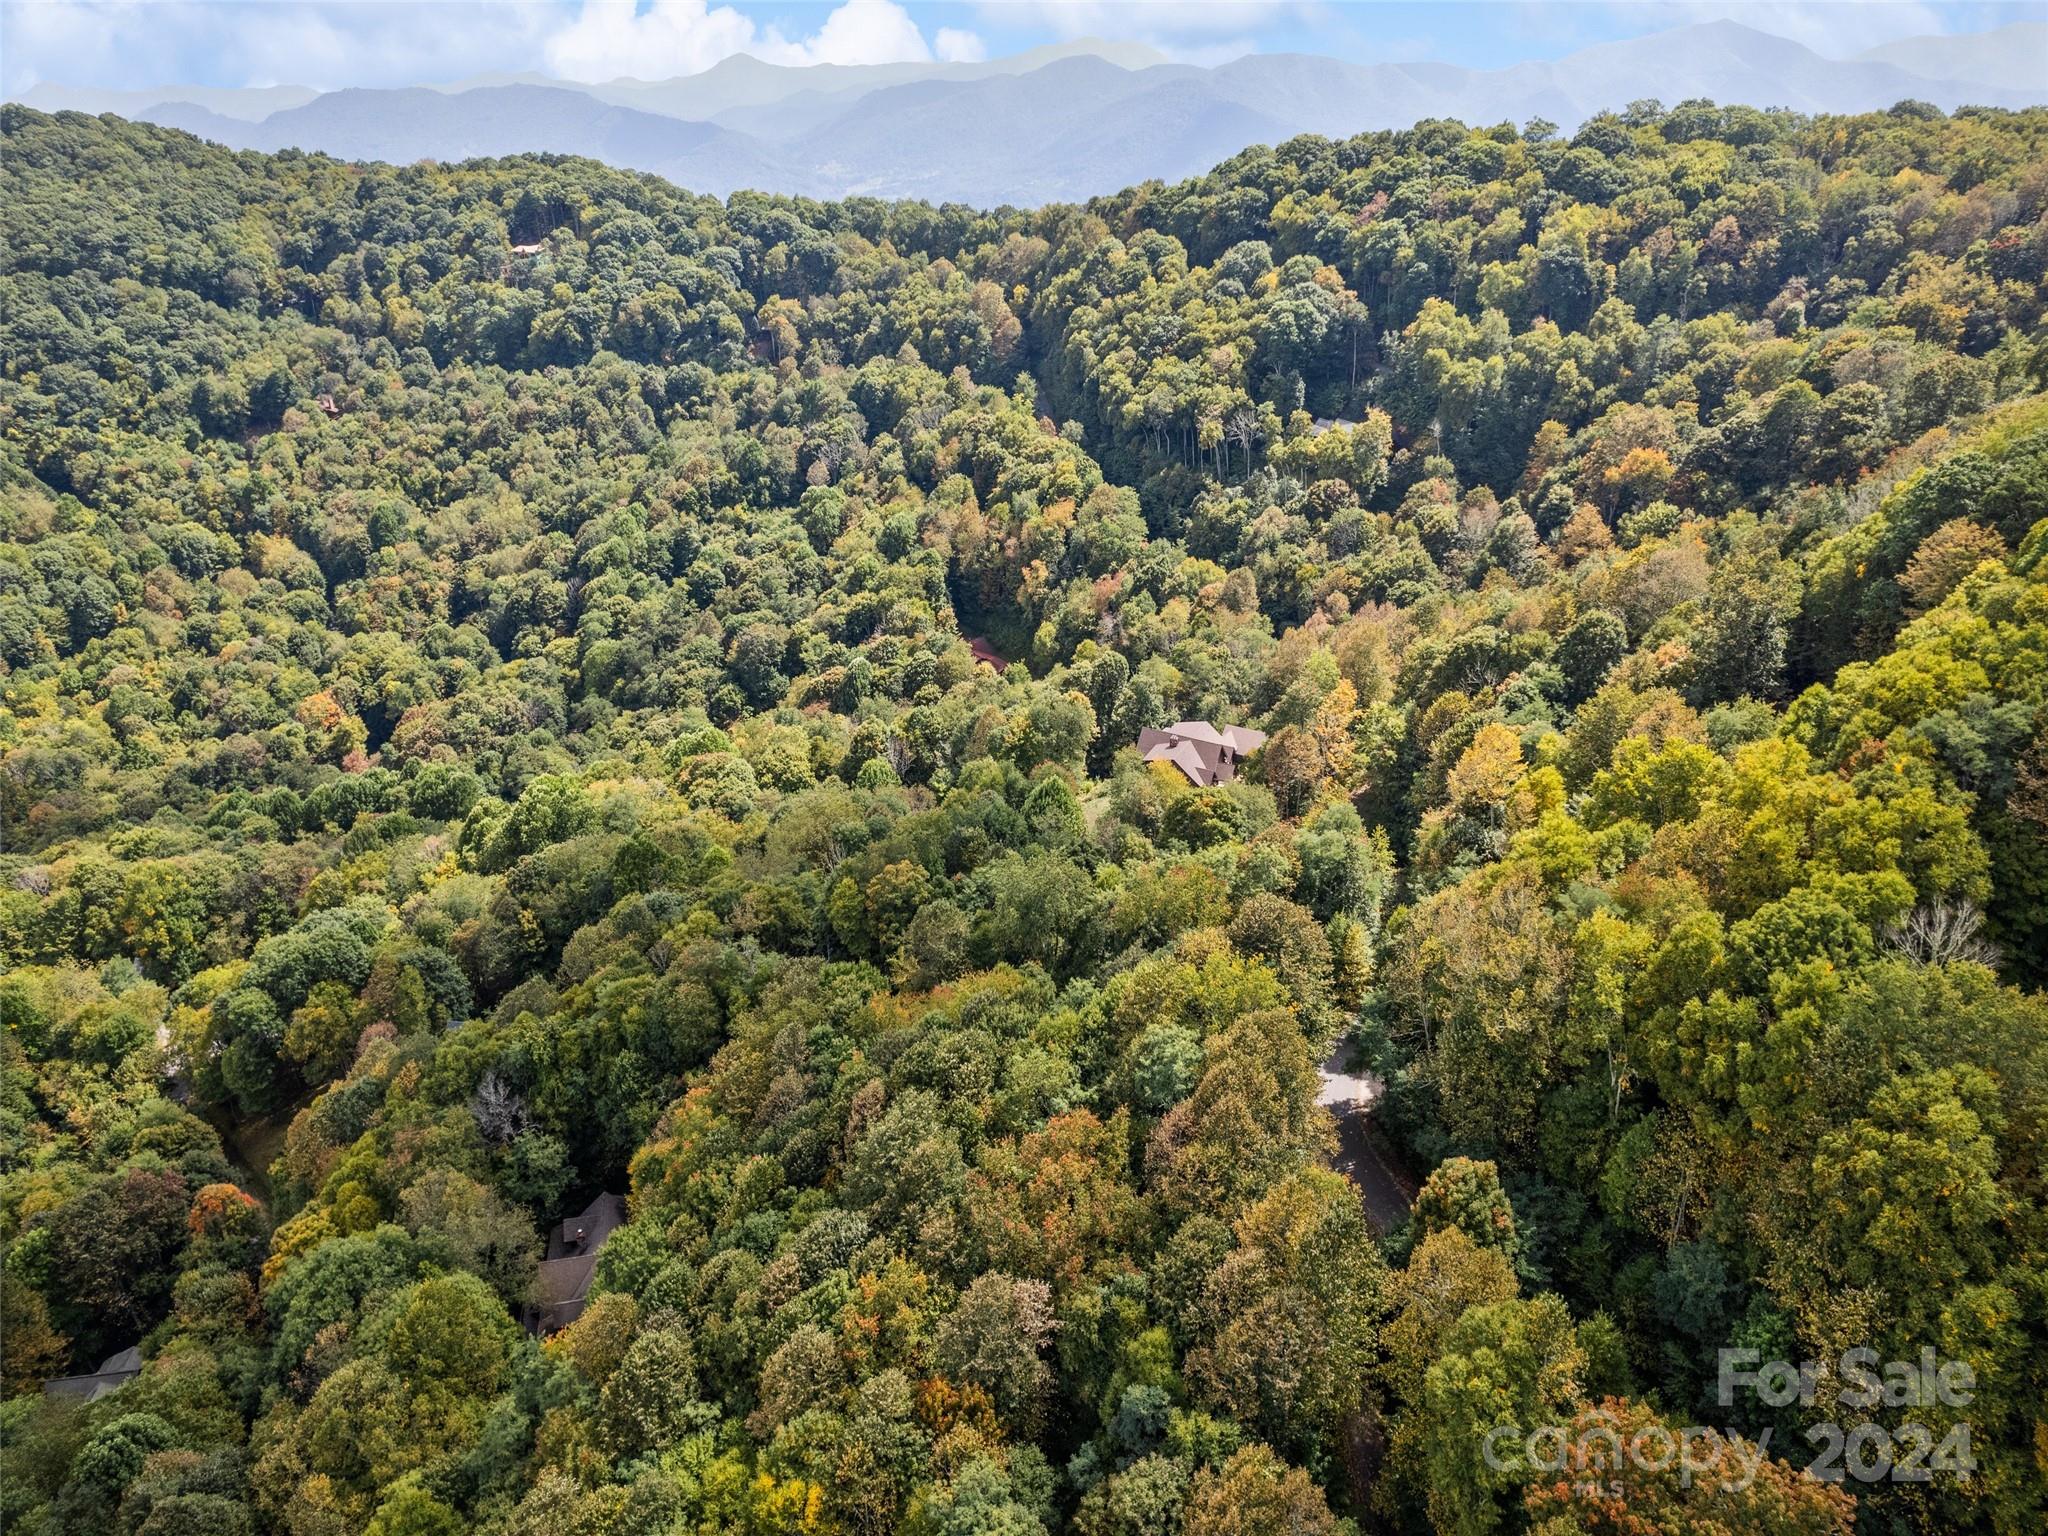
{"points": [[1349, 1098]]}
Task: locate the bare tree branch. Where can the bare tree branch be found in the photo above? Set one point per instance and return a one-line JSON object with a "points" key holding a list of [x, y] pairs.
{"points": [[1942, 933]]}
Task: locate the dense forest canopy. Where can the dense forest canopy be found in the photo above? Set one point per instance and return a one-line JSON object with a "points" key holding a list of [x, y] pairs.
{"points": [[487, 718]]}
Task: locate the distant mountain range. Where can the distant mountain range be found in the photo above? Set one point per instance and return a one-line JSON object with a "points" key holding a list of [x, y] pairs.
{"points": [[1060, 123]]}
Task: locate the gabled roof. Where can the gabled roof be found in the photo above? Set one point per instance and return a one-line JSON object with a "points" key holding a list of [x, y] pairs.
{"points": [[1198, 730], [115, 1371], [1189, 758], [1244, 739], [561, 1282], [1206, 754], [586, 1232], [561, 1290], [557, 1281]]}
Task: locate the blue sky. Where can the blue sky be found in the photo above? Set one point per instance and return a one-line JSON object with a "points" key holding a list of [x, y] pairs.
{"points": [[136, 44]]}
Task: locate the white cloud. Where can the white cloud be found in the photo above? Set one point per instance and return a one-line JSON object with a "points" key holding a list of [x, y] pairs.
{"points": [[670, 37], [959, 47], [136, 44], [139, 44], [609, 38], [128, 44], [862, 32]]}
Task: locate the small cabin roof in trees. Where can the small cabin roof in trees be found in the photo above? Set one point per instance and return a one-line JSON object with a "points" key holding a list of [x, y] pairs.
{"points": [[562, 1283], [1207, 754], [115, 1371], [533, 249]]}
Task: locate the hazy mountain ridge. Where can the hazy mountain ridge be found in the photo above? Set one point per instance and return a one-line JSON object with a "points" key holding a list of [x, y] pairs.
{"points": [[246, 105], [1060, 123], [2012, 58], [493, 121]]}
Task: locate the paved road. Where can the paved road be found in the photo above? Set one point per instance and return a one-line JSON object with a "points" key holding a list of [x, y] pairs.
{"points": [[1385, 1194]]}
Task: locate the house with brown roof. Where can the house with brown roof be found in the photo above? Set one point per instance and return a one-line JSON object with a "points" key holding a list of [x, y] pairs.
{"points": [[987, 654], [562, 1284], [1209, 755]]}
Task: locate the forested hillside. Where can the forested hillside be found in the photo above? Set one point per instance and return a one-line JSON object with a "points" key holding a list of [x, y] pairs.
{"points": [[487, 718]]}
